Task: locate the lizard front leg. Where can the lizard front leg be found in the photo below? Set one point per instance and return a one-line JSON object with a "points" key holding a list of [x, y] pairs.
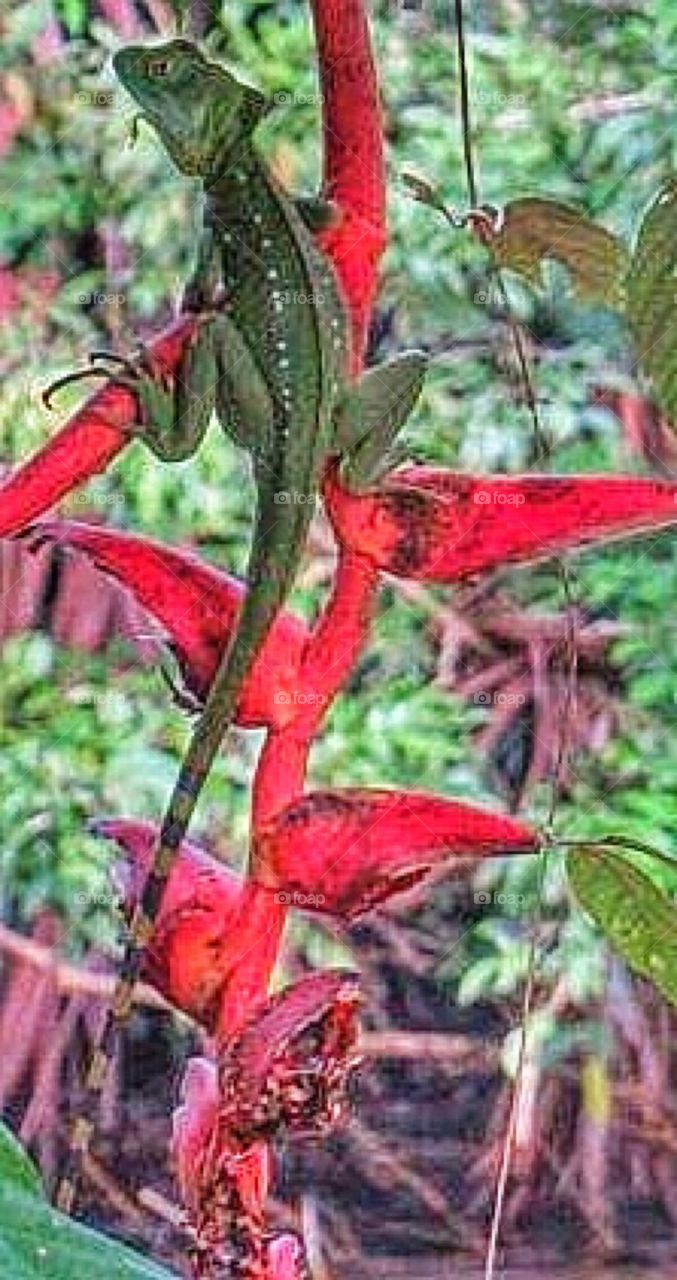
{"points": [[371, 414], [174, 412], [173, 409]]}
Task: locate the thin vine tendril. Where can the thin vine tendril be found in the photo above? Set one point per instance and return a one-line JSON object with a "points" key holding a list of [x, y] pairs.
{"points": [[541, 446]]}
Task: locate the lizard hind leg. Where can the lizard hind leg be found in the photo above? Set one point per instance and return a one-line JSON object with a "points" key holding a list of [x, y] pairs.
{"points": [[174, 408]]}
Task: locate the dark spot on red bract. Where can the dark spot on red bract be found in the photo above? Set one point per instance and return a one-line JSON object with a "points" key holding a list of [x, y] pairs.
{"points": [[319, 804], [411, 513]]}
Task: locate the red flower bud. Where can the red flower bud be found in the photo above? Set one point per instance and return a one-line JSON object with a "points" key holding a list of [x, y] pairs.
{"points": [[345, 852], [289, 1067]]}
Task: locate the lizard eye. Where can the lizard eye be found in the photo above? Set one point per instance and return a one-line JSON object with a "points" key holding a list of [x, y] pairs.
{"points": [[159, 67]]}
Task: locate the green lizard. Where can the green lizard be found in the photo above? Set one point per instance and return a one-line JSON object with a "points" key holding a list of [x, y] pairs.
{"points": [[271, 361]]}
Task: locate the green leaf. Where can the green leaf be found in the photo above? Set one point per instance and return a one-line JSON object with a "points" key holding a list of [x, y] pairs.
{"points": [[639, 920], [37, 1243], [651, 291], [533, 230], [15, 1167]]}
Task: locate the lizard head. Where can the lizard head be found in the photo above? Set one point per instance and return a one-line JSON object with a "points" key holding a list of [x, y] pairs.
{"points": [[199, 110]]}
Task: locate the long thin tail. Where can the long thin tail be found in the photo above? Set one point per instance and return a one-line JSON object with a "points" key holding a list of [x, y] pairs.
{"points": [[271, 573]]}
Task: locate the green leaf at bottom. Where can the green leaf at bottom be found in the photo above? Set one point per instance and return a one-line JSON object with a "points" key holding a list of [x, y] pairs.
{"points": [[38, 1243]]}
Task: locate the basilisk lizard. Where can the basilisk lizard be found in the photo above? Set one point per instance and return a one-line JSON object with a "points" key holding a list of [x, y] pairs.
{"points": [[271, 360]]}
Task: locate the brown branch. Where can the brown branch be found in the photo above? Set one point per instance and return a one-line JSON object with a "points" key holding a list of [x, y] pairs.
{"points": [[70, 979], [431, 1045]]}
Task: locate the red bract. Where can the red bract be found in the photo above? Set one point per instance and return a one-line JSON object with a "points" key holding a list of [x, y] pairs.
{"points": [[193, 1123], [442, 526], [198, 605], [356, 273], [344, 852], [189, 953], [289, 1068], [88, 442]]}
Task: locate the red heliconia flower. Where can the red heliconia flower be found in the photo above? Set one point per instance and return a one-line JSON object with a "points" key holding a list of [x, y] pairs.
{"points": [[227, 1212], [190, 951], [288, 1069], [228, 1208], [198, 606], [89, 441], [442, 526], [224, 1187], [230, 1220], [345, 852]]}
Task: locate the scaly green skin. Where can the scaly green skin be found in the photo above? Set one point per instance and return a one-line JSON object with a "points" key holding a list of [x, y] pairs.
{"points": [[270, 360]]}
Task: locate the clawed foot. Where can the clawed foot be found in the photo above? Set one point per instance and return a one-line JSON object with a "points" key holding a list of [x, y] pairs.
{"points": [[126, 371]]}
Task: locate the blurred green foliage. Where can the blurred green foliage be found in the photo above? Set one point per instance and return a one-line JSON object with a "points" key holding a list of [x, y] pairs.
{"points": [[570, 101]]}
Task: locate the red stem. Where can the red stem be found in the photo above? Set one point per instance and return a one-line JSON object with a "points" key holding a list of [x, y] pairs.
{"points": [[338, 638], [258, 928], [354, 177], [280, 773], [354, 168]]}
